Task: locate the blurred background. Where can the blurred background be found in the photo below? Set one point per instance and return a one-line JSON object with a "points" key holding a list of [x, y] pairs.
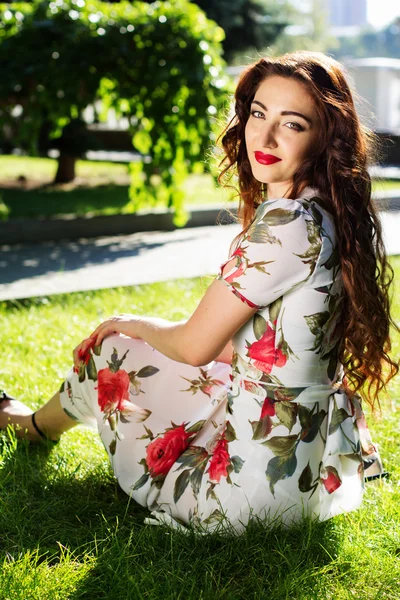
{"points": [[115, 107]]}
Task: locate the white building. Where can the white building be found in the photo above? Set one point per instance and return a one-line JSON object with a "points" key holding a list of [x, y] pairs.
{"points": [[377, 84]]}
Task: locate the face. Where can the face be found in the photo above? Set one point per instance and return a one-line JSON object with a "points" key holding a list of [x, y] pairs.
{"points": [[274, 130]]}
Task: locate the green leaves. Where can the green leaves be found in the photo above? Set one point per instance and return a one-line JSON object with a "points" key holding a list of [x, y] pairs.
{"points": [[274, 309], [91, 369], [280, 468], [286, 413], [192, 456], [316, 323], [161, 67], [305, 479], [237, 463], [338, 416], [259, 325], [141, 481], [230, 433], [116, 362], [281, 445], [261, 428], [261, 234], [195, 458], [147, 371], [308, 434], [181, 484], [306, 482], [280, 216]]}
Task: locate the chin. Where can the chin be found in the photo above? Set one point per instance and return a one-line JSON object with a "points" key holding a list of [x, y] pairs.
{"points": [[265, 178]]}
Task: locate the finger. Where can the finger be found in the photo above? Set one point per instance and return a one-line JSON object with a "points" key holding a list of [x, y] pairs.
{"points": [[75, 358], [105, 323], [80, 350], [105, 331]]}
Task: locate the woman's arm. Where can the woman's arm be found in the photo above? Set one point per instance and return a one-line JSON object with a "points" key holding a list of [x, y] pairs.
{"points": [[204, 337], [226, 355]]}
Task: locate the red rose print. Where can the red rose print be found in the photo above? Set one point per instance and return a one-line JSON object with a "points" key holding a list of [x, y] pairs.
{"points": [[113, 390], [239, 271], [84, 355], [162, 452], [245, 300], [219, 461], [207, 389], [264, 354], [332, 482], [268, 408], [280, 358]]}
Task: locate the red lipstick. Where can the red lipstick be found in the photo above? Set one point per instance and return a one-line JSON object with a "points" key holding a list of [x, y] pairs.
{"points": [[266, 159]]}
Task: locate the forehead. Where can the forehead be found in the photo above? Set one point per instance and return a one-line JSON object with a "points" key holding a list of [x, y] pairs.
{"points": [[284, 92]]}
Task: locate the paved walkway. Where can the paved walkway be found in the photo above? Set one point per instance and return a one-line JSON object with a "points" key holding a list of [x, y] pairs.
{"points": [[50, 268]]}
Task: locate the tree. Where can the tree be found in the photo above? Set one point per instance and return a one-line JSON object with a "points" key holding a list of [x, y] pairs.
{"points": [[159, 65], [248, 24]]}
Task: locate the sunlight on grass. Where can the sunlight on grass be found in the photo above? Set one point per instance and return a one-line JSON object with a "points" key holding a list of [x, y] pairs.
{"points": [[68, 531]]}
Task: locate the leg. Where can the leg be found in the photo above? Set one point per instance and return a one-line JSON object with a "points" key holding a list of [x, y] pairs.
{"points": [[50, 418]]}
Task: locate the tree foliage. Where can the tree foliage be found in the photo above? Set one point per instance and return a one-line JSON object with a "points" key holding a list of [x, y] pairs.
{"points": [[248, 24], [159, 65]]}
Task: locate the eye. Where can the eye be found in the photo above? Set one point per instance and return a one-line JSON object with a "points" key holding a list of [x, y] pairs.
{"points": [[252, 112], [298, 126]]}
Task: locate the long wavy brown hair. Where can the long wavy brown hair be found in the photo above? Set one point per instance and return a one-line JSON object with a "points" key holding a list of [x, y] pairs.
{"points": [[338, 169]]}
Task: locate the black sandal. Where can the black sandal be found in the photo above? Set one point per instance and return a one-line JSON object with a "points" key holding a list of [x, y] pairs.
{"points": [[5, 396], [381, 475]]}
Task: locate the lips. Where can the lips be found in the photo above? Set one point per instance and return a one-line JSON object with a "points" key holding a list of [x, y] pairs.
{"points": [[266, 159]]}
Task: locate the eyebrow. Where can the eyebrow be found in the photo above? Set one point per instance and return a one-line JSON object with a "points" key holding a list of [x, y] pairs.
{"points": [[285, 112]]}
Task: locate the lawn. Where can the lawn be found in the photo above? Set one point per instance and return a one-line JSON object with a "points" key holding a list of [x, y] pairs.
{"points": [[68, 531], [100, 188]]}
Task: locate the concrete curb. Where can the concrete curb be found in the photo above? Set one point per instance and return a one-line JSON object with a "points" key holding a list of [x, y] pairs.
{"points": [[70, 227]]}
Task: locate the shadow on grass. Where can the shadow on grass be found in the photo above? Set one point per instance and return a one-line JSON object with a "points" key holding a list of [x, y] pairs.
{"points": [[47, 202], [50, 508]]}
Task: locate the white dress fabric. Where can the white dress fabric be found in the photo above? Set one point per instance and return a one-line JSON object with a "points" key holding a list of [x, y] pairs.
{"points": [[272, 436]]}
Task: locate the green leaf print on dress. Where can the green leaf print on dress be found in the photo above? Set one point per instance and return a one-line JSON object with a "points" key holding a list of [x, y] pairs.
{"points": [[280, 216], [204, 383], [310, 256], [284, 464]]}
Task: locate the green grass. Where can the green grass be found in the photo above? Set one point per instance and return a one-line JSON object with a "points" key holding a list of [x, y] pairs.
{"points": [[101, 188], [68, 531]]}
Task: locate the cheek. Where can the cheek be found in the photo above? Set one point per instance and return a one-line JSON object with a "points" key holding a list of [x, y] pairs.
{"points": [[247, 135], [300, 150]]}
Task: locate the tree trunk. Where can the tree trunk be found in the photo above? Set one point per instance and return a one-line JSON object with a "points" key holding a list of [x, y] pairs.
{"points": [[66, 168]]}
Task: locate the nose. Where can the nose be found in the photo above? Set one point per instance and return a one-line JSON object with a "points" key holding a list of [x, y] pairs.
{"points": [[267, 137]]}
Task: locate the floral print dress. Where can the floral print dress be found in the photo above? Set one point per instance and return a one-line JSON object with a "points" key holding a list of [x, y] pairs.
{"points": [[273, 435]]}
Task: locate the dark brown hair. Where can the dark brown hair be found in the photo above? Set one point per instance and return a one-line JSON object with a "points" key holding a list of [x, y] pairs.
{"points": [[338, 169]]}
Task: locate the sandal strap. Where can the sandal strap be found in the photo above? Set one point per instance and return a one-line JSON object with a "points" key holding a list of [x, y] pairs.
{"points": [[40, 432], [382, 475], [5, 396]]}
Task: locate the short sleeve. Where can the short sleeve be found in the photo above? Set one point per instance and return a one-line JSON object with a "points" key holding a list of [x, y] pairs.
{"points": [[277, 254]]}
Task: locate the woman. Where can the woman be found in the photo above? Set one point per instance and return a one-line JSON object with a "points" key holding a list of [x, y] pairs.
{"points": [[248, 409]]}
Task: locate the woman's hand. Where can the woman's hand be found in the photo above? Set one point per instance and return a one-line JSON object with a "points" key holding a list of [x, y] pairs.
{"points": [[124, 324]]}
